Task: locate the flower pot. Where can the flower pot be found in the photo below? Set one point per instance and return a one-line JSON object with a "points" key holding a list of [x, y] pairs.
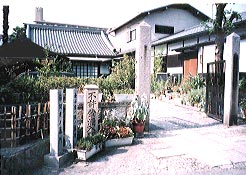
{"points": [[84, 154], [138, 129], [118, 142], [123, 98]]}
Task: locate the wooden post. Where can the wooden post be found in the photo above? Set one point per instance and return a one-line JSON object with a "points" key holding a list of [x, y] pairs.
{"points": [[45, 115], [13, 127], [19, 125], [38, 119], [5, 123]]}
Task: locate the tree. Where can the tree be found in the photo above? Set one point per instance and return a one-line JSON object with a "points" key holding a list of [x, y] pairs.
{"points": [[222, 25], [19, 33]]}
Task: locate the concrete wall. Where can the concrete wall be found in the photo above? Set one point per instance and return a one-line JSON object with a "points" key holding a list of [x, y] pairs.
{"points": [[23, 159]]}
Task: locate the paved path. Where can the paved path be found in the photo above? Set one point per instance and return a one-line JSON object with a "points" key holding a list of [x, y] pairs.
{"points": [[181, 141]]}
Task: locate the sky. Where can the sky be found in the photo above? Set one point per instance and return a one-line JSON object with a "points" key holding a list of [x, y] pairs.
{"points": [[95, 13]]}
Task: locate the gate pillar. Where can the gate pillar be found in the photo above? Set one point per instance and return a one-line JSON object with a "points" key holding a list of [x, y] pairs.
{"points": [[231, 56], [143, 63]]}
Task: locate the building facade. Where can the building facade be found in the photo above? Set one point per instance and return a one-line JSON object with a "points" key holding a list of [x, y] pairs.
{"points": [[88, 48]]}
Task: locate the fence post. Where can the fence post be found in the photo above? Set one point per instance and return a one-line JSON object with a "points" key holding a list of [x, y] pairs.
{"points": [[231, 55], [13, 126], [38, 119], [19, 124]]}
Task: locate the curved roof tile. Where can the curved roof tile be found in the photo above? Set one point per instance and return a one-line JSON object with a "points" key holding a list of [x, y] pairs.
{"points": [[71, 40]]}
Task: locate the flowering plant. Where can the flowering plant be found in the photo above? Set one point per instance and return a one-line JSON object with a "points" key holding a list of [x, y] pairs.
{"points": [[113, 127], [139, 109]]}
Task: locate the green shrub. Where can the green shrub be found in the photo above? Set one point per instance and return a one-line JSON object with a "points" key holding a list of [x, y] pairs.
{"points": [[27, 89], [194, 82], [197, 96], [157, 87]]}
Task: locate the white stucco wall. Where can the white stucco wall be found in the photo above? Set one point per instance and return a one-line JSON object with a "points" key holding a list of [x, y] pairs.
{"points": [[175, 70], [119, 41], [209, 55], [180, 19], [242, 58]]}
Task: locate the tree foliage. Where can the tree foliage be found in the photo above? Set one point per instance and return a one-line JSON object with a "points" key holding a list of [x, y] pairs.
{"points": [[221, 26], [19, 33]]}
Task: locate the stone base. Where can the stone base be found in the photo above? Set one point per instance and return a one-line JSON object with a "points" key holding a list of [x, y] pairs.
{"points": [[139, 135], [59, 161]]}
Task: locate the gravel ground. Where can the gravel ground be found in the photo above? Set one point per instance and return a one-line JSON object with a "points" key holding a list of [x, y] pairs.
{"points": [[174, 145]]}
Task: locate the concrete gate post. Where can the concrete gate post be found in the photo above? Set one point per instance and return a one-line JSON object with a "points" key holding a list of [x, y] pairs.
{"points": [[231, 56], [143, 63]]}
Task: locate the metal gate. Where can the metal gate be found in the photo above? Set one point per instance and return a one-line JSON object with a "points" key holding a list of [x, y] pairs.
{"points": [[215, 83]]}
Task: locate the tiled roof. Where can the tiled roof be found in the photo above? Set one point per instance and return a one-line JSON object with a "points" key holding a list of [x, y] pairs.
{"points": [[196, 30], [185, 33], [71, 40]]}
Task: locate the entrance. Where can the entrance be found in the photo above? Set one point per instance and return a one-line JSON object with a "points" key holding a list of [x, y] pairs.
{"points": [[215, 82], [190, 64]]}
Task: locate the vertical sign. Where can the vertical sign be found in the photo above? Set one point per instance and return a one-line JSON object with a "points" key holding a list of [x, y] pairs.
{"points": [[56, 122], [71, 118], [90, 117]]}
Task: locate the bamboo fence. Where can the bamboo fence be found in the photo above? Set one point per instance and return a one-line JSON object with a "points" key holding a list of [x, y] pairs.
{"points": [[21, 124]]}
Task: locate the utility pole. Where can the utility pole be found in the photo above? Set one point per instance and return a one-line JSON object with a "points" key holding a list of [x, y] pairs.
{"points": [[5, 24]]}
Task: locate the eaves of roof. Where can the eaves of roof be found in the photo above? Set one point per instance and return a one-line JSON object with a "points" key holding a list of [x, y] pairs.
{"points": [[193, 32], [187, 7]]}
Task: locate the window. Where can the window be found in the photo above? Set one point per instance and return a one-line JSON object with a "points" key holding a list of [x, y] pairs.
{"points": [[83, 69], [164, 29], [131, 35]]}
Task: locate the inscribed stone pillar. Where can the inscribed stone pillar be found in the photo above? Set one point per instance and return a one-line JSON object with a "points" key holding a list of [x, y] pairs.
{"points": [[231, 56], [71, 118], [143, 63], [90, 116], [56, 122]]}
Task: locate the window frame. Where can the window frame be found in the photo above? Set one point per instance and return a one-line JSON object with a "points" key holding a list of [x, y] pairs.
{"points": [[161, 29]]}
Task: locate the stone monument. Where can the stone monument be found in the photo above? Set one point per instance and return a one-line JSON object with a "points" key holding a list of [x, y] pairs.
{"points": [[71, 119], [143, 63], [90, 116], [58, 156], [231, 56]]}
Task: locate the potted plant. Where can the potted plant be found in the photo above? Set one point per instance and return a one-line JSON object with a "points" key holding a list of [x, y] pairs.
{"points": [[87, 147], [139, 113], [116, 132], [242, 104]]}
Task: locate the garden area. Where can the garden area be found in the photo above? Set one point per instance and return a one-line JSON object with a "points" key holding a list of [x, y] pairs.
{"points": [[29, 96]]}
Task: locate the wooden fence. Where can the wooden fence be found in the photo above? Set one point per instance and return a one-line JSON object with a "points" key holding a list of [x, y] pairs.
{"points": [[21, 124]]}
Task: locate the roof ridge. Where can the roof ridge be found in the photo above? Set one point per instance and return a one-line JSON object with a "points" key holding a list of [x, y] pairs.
{"points": [[63, 25]]}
